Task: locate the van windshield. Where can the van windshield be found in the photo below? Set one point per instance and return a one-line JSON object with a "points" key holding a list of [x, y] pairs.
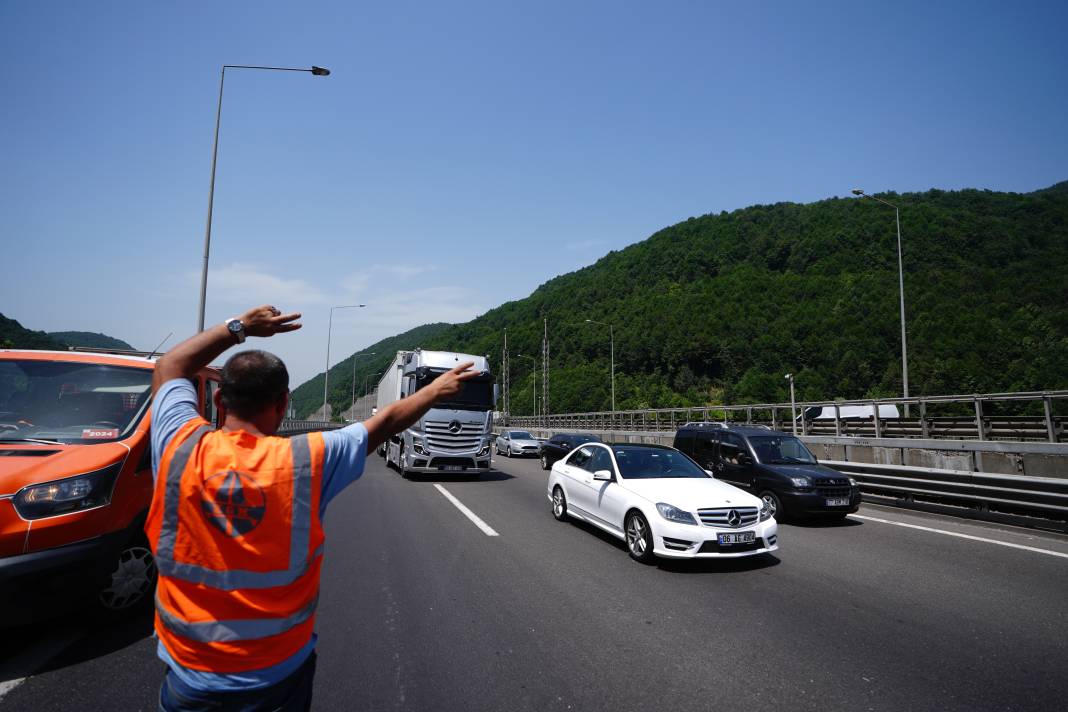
{"points": [[781, 450], [70, 402]]}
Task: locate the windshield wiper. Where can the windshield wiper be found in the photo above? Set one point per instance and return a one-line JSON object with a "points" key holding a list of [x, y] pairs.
{"points": [[36, 441]]}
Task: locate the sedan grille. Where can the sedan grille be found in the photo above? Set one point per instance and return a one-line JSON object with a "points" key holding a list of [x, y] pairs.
{"points": [[439, 437], [721, 517]]}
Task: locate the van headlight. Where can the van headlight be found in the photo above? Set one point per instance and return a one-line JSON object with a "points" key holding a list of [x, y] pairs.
{"points": [[765, 511], [801, 482], [674, 514], [71, 494]]}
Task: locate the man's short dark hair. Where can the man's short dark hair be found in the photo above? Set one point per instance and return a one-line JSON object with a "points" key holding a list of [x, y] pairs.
{"points": [[253, 381]]}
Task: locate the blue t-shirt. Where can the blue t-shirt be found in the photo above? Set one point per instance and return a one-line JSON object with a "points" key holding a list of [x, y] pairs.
{"points": [[345, 452]]}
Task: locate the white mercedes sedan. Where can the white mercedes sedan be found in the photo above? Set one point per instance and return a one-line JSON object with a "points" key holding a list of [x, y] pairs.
{"points": [[660, 503]]}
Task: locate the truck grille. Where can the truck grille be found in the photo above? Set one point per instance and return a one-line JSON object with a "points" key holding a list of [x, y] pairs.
{"points": [[439, 438], [718, 517]]}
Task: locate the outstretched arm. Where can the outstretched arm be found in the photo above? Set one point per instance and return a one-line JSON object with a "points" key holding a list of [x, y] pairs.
{"points": [[196, 352], [400, 414]]}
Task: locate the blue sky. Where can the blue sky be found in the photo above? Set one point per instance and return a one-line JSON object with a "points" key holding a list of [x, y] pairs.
{"points": [[461, 154]]}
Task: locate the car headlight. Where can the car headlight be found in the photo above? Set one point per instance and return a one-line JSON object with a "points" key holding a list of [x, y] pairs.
{"points": [[71, 494], [674, 514], [853, 483], [765, 511], [801, 482]]}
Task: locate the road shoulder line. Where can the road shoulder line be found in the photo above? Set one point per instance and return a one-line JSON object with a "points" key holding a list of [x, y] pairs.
{"points": [[486, 528], [962, 536]]}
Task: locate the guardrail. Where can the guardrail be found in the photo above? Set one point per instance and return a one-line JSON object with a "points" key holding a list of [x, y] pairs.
{"points": [[1035, 501], [960, 417], [299, 427]]}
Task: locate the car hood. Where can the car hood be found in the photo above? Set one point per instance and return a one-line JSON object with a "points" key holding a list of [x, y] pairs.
{"points": [[691, 494], [814, 471], [526, 443], [22, 465]]}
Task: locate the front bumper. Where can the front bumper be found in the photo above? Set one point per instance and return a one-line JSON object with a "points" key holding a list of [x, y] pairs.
{"points": [[436, 464], [687, 541], [814, 504], [46, 583]]}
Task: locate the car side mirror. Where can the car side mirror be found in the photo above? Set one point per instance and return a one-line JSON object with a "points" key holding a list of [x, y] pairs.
{"points": [[744, 459], [603, 475], [710, 473]]}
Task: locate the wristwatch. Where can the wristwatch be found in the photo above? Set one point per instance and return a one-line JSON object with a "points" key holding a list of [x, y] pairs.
{"points": [[237, 329]]}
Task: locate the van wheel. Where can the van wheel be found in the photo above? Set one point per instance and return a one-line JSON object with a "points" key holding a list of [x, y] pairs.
{"points": [[131, 580], [774, 504]]}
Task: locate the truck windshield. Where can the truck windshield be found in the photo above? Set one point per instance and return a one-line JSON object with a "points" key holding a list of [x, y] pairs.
{"points": [[781, 450], [477, 393], [70, 402]]}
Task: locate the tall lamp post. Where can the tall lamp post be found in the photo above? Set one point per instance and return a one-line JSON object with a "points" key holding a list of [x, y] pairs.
{"points": [[365, 353], [534, 412], [612, 347], [314, 71], [793, 409], [330, 328], [901, 294]]}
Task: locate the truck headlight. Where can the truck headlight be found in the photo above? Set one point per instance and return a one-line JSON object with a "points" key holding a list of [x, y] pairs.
{"points": [[484, 451], [674, 514], [71, 494]]}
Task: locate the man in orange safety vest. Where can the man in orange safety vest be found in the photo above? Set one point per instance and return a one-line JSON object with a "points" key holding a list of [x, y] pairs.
{"points": [[236, 520]]}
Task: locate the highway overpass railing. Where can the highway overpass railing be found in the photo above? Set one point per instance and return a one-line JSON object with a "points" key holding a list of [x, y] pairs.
{"points": [[299, 427], [1024, 416]]}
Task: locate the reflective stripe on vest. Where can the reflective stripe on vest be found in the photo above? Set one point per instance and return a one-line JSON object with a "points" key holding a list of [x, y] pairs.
{"points": [[234, 579], [241, 629]]}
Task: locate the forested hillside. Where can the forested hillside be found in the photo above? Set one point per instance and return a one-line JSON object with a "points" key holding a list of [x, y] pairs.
{"points": [[14, 335], [90, 339], [308, 397], [717, 308]]}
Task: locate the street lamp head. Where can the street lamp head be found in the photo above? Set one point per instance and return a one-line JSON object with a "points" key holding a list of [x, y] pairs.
{"points": [[858, 191], [788, 376], [320, 71]]}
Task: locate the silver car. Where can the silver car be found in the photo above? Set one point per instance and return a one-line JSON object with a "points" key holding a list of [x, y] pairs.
{"points": [[517, 442]]}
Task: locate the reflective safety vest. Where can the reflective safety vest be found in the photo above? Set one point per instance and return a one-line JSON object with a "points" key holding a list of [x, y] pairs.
{"points": [[235, 528]]}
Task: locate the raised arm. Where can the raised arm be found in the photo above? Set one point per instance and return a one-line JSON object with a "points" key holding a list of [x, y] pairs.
{"points": [[196, 352], [400, 414]]}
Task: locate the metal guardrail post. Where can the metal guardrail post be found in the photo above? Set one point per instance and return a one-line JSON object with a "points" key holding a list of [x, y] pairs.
{"points": [[1047, 406], [748, 416], [837, 420], [979, 419], [774, 418], [924, 427], [878, 421]]}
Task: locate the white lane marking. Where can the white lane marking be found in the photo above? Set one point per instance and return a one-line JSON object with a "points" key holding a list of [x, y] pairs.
{"points": [[9, 685], [963, 536], [486, 528]]}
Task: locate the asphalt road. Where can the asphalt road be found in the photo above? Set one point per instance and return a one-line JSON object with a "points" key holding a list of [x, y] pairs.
{"points": [[423, 610]]}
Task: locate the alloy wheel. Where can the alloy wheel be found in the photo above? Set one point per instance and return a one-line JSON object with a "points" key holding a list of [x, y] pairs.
{"points": [[134, 574]]}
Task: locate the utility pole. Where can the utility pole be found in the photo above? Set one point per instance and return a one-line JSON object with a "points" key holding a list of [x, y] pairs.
{"points": [[505, 406], [545, 368]]}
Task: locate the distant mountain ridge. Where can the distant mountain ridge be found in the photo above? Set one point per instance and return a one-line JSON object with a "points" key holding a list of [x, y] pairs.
{"points": [[717, 308], [90, 339], [14, 335]]}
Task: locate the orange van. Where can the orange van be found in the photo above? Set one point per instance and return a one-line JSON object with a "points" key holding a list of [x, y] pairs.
{"points": [[76, 479]]}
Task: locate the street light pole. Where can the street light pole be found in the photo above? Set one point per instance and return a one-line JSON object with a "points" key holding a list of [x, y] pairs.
{"points": [[535, 372], [330, 328], [793, 408], [612, 349], [901, 294], [315, 71]]}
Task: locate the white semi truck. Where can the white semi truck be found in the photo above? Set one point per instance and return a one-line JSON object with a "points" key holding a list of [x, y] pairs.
{"points": [[453, 437]]}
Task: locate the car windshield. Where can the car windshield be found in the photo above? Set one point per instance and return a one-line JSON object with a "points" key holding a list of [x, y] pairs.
{"points": [[781, 450], [70, 402], [520, 435], [641, 463]]}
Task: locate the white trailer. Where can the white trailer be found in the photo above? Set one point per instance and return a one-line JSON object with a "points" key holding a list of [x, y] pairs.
{"points": [[453, 437]]}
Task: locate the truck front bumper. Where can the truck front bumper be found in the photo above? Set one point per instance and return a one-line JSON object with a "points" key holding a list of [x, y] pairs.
{"points": [[430, 463]]}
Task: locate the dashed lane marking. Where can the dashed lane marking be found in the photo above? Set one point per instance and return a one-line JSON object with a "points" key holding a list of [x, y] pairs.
{"points": [[963, 536], [486, 528]]}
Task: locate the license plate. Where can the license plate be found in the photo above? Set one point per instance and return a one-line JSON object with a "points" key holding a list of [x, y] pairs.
{"points": [[838, 502], [739, 538], [451, 468]]}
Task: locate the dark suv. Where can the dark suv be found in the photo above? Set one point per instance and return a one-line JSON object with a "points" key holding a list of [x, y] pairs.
{"points": [[775, 466]]}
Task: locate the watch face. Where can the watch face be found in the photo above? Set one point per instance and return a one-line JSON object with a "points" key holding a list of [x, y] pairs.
{"points": [[235, 326]]}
